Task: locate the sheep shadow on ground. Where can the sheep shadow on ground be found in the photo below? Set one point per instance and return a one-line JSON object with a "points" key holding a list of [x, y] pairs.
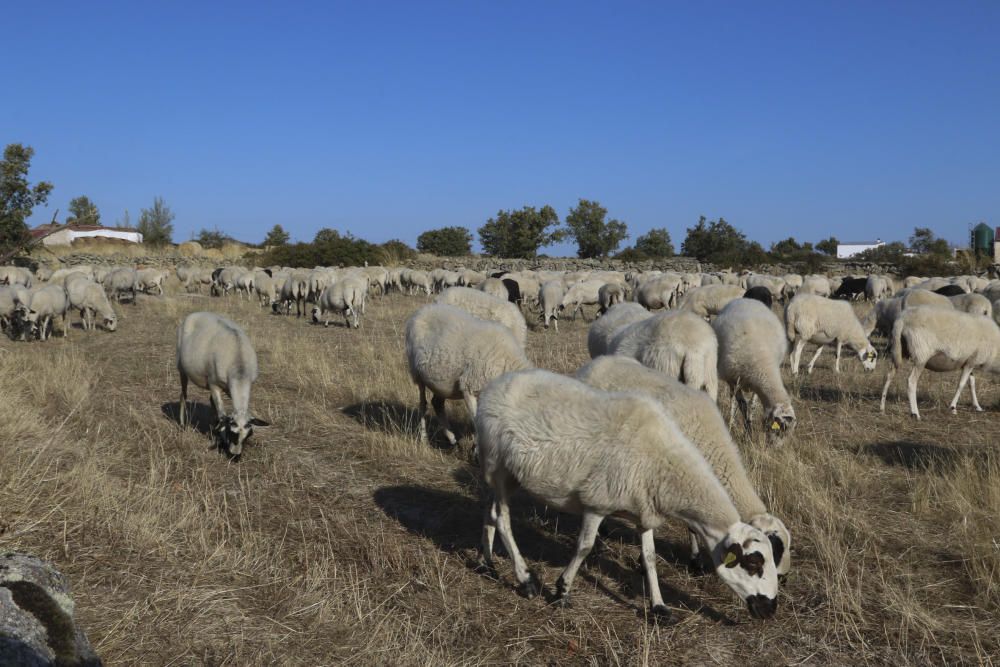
{"points": [[394, 418], [922, 456], [454, 523], [200, 416]]}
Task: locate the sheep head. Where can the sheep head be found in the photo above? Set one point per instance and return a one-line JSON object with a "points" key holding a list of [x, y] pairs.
{"points": [[745, 561], [779, 421], [780, 538], [233, 430], [868, 357]]}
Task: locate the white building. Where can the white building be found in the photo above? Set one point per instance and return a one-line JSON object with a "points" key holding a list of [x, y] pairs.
{"points": [[852, 248], [66, 235]]}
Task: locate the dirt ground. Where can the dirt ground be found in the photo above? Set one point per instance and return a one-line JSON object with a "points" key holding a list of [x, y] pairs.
{"points": [[339, 539]]}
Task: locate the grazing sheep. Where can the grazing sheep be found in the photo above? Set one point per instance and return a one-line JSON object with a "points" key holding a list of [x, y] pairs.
{"points": [[709, 300], [455, 354], [698, 418], [776, 286], [583, 293], [942, 340], [345, 296], [974, 304], [752, 345], [149, 279], [513, 290], [659, 292], [921, 297], [494, 287], [596, 453], [93, 302], [487, 307], [608, 295], [121, 282], [851, 288], [678, 343], [951, 290], [295, 288], [759, 293], [45, 305], [216, 354], [877, 288], [822, 321], [550, 296], [883, 316], [8, 309], [609, 325], [15, 275], [818, 285], [419, 281]]}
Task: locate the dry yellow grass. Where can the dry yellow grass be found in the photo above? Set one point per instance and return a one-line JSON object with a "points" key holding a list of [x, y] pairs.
{"points": [[340, 539]]}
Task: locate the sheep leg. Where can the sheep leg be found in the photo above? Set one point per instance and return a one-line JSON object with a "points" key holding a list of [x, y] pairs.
{"points": [[217, 404], [490, 516], [471, 405], [836, 364], [588, 533], [423, 412], [975, 401], [809, 368], [911, 390], [885, 388], [442, 415], [530, 585], [797, 355], [695, 548], [966, 374], [182, 409], [652, 580]]}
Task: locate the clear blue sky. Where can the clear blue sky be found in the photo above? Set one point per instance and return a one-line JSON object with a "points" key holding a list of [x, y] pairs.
{"points": [[856, 119]]}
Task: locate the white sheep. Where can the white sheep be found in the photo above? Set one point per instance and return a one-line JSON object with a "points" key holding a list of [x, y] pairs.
{"points": [[550, 296], [345, 296], [15, 275], [455, 354], [45, 305], [878, 288], [918, 296], [487, 307], [596, 453], [150, 279], [610, 294], [752, 345], [678, 343], [216, 354], [818, 285], [942, 340], [89, 298], [709, 300], [609, 325], [580, 294], [295, 288], [822, 321], [698, 418], [661, 291], [121, 282], [974, 304], [494, 287]]}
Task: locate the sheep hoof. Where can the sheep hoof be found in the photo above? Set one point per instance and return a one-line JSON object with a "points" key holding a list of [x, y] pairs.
{"points": [[532, 587], [562, 595], [660, 612]]}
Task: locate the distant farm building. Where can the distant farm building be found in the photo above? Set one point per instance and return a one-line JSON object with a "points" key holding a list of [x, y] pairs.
{"points": [[852, 248], [65, 235]]}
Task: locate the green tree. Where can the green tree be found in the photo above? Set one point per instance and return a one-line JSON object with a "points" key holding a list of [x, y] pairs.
{"points": [[594, 236], [394, 251], [212, 238], [446, 242], [156, 223], [519, 233], [18, 197], [829, 246], [924, 242], [719, 242], [82, 211], [277, 236], [890, 252], [655, 243]]}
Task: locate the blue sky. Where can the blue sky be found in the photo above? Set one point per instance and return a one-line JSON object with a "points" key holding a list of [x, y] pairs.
{"points": [[802, 119]]}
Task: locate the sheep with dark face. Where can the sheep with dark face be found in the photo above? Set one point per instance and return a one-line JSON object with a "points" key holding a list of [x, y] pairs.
{"points": [[596, 453], [215, 354], [698, 418]]}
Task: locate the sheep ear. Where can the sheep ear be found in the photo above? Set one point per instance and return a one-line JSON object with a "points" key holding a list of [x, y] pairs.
{"points": [[259, 422], [733, 555]]}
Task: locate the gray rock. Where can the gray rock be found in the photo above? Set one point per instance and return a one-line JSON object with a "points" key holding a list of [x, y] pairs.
{"points": [[36, 616]]}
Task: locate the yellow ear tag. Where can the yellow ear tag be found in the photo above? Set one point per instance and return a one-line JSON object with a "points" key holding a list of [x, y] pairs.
{"points": [[775, 425], [729, 559]]}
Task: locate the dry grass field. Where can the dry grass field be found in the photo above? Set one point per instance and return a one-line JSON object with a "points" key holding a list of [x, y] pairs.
{"points": [[339, 539]]}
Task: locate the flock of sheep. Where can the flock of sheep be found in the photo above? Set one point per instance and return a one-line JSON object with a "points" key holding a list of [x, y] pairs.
{"points": [[637, 433]]}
